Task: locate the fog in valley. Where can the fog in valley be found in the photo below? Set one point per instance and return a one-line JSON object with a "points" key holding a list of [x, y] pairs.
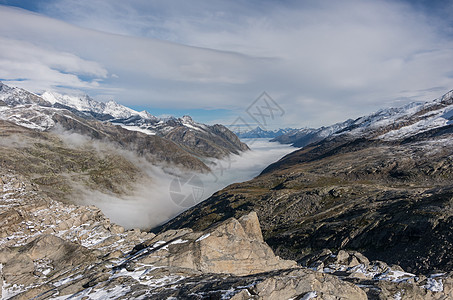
{"points": [[165, 192]]}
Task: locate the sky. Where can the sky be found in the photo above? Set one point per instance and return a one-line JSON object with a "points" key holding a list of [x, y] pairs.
{"points": [[321, 62]]}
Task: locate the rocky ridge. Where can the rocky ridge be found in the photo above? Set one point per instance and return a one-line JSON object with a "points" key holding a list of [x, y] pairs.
{"points": [[51, 250]]}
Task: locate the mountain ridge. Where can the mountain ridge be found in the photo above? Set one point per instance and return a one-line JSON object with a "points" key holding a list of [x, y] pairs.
{"points": [[294, 232], [212, 141], [258, 132], [305, 136]]}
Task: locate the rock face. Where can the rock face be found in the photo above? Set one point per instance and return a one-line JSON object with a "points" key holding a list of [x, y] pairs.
{"points": [[231, 247], [301, 284], [206, 140], [53, 250], [50, 249], [381, 187]]}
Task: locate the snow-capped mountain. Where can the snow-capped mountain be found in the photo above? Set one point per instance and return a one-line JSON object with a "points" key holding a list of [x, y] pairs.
{"points": [[386, 124], [44, 112], [86, 104], [258, 132], [16, 96], [409, 120], [304, 136]]}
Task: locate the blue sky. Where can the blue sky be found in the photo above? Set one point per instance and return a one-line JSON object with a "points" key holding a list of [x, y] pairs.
{"points": [[321, 61]]}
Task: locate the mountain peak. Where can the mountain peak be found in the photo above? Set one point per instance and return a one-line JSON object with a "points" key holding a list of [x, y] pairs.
{"points": [[187, 119], [87, 104]]}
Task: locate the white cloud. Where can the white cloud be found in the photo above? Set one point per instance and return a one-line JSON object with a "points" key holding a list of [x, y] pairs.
{"points": [[322, 61], [45, 68]]}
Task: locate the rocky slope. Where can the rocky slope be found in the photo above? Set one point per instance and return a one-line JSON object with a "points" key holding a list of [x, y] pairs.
{"points": [[381, 186], [104, 158], [70, 153], [51, 250]]}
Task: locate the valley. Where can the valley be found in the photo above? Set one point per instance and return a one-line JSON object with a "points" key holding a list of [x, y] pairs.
{"points": [[226, 150], [364, 211]]}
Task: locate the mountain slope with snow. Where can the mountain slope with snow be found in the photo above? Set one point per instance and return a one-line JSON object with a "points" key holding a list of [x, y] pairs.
{"points": [[386, 124], [86, 104], [305, 136], [196, 138], [381, 185], [37, 112], [16, 96]]}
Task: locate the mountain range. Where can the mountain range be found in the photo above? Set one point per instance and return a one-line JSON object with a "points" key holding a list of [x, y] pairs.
{"points": [[42, 112], [305, 136], [258, 133], [67, 145], [362, 211], [380, 185]]}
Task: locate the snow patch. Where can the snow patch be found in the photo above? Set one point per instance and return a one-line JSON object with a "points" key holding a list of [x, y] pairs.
{"points": [[433, 284], [310, 295], [397, 296], [136, 128], [179, 241], [204, 236]]}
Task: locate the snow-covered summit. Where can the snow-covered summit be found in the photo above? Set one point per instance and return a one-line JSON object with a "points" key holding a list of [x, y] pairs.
{"points": [[187, 119], [386, 124], [16, 96], [86, 104]]}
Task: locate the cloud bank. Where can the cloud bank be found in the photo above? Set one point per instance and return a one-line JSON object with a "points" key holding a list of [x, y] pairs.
{"points": [[322, 61]]}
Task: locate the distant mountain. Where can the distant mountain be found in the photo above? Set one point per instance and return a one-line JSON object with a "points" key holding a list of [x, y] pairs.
{"points": [[258, 132], [88, 105], [197, 139], [305, 136], [379, 122], [380, 184]]}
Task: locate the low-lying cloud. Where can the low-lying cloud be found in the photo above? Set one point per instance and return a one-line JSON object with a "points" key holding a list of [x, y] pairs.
{"points": [[163, 192]]}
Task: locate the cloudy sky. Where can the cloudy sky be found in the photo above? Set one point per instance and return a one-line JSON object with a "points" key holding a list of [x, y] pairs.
{"points": [[321, 61]]}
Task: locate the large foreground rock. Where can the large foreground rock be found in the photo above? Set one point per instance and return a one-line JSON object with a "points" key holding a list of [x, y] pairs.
{"points": [[233, 247]]}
